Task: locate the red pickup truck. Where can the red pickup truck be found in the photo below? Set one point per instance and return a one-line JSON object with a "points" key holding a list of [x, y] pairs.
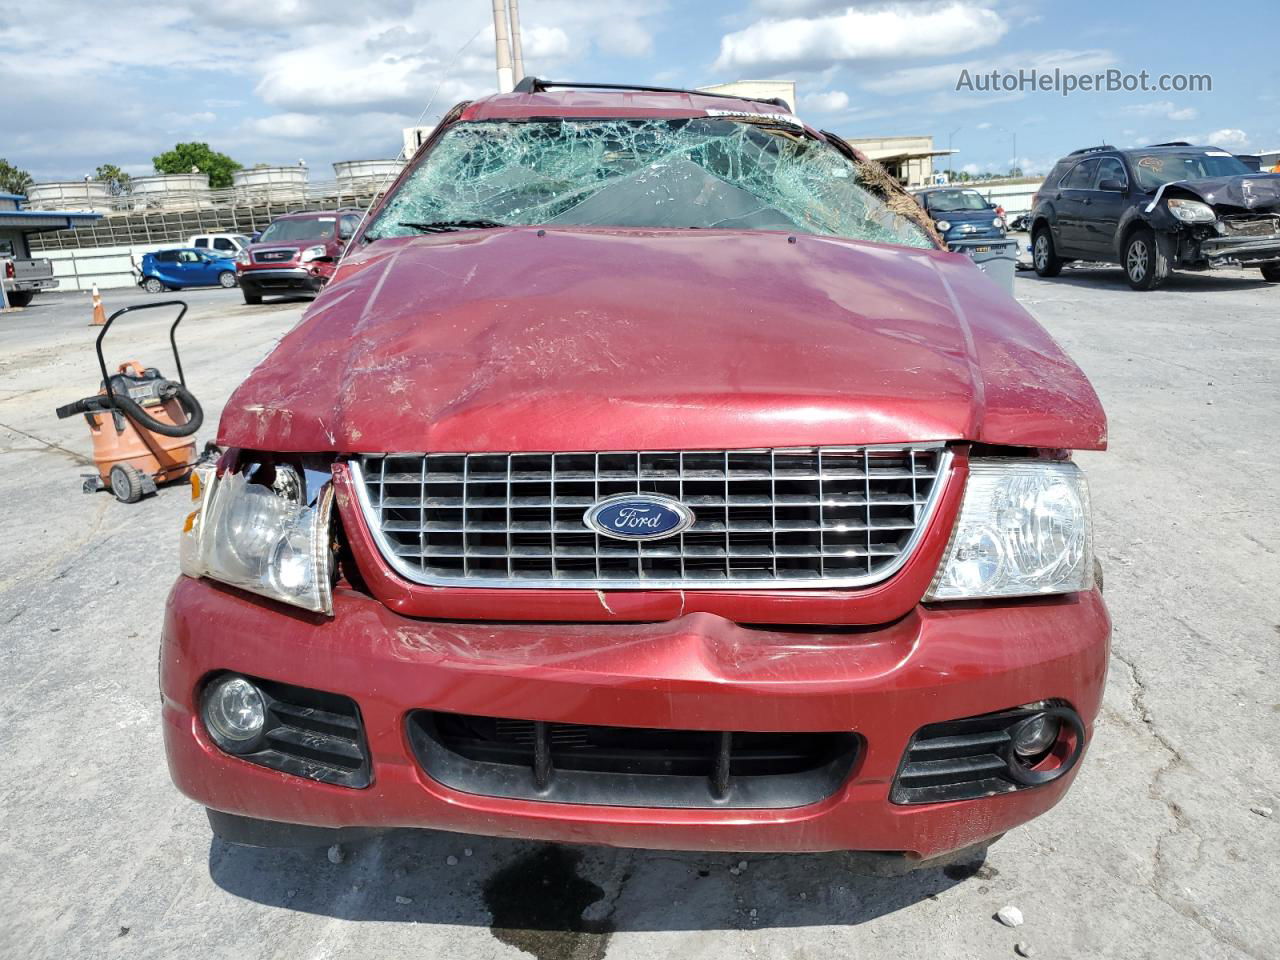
{"points": [[296, 253], [648, 475]]}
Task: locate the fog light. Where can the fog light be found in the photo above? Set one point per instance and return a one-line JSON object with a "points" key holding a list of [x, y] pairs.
{"points": [[1035, 735], [234, 712]]}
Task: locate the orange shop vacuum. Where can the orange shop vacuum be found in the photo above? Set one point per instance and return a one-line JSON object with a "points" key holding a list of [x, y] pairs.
{"points": [[143, 425]]}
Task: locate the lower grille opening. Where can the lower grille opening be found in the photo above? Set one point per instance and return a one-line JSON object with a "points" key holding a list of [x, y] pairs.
{"points": [[969, 758], [629, 766]]}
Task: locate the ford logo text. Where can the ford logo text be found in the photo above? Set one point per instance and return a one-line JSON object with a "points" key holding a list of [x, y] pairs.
{"points": [[639, 516]]}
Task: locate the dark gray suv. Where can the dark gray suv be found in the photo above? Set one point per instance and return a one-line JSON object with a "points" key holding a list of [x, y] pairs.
{"points": [[1154, 209]]}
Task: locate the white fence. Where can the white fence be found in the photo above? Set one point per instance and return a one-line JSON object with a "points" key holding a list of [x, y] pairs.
{"points": [[81, 268]]}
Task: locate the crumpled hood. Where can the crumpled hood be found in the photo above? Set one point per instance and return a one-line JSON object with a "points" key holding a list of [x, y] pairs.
{"points": [[1259, 191], [587, 339]]}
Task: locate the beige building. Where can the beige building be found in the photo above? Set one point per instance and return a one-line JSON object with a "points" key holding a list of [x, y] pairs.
{"points": [[908, 159]]}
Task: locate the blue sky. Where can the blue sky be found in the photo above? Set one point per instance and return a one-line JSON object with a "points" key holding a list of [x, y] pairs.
{"points": [[94, 81]]}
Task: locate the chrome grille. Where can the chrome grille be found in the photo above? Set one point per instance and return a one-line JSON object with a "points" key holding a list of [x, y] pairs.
{"points": [[818, 516], [274, 256]]}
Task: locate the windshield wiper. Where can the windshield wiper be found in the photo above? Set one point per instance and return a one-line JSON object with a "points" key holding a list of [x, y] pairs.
{"points": [[444, 226]]}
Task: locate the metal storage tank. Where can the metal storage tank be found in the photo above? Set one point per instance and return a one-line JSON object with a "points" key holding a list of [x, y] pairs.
{"points": [[366, 176], [257, 184], [69, 195], [170, 191]]}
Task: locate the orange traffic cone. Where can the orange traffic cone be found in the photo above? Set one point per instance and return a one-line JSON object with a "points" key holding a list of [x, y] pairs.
{"points": [[99, 314]]}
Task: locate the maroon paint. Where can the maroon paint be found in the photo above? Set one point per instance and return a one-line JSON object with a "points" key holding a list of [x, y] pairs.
{"points": [[699, 671], [500, 340]]}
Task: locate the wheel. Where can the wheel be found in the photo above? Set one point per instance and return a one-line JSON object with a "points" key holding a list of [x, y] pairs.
{"points": [[227, 279], [152, 285], [1146, 260], [253, 299], [21, 298], [1270, 273], [1045, 258], [126, 483]]}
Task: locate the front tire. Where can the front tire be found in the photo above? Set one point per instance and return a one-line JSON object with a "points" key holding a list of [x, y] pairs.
{"points": [[252, 299], [1270, 273], [152, 285], [227, 279], [1146, 260], [1043, 255]]}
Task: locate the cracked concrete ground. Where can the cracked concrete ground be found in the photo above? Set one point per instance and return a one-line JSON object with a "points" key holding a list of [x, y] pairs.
{"points": [[1154, 853]]}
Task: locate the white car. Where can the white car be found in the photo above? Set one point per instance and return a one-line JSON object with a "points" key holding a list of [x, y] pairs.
{"points": [[231, 243]]}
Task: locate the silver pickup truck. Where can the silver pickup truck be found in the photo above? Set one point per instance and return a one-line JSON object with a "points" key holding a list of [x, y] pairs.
{"points": [[23, 277]]}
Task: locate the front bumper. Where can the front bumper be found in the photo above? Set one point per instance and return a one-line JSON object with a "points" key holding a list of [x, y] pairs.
{"points": [[284, 278], [1242, 249], [696, 672]]}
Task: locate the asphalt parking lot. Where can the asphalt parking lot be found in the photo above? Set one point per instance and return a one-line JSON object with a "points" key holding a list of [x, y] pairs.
{"points": [[1168, 844]]}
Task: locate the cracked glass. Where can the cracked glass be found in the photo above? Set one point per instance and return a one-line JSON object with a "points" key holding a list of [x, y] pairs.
{"points": [[652, 173]]}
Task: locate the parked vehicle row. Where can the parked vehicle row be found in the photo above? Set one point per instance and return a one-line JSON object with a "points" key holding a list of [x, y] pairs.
{"points": [[297, 253]]}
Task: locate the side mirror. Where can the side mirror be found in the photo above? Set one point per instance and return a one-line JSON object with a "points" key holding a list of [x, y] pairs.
{"points": [[1112, 186]]}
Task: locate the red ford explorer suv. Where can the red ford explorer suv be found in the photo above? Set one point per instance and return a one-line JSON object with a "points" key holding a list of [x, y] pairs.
{"points": [[648, 475], [298, 253]]}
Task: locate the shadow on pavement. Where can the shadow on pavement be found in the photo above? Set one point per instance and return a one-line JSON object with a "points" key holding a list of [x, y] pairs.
{"points": [[562, 902]]}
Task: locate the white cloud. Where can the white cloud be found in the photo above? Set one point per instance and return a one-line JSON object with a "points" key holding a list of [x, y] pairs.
{"points": [[985, 125], [1162, 108], [1227, 137], [811, 43], [826, 101], [943, 76], [972, 169], [290, 125]]}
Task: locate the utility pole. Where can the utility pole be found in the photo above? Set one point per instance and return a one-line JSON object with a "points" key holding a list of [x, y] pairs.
{"points": [[517, 42], [950, 155], [502, 41]]}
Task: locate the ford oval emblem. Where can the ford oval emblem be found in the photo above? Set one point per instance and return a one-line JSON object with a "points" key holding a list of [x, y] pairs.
{"points": [[639, 516]]}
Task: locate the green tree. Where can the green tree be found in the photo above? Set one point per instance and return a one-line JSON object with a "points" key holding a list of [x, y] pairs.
{"points": [[117, 181], [185, 156], [13, 180]]}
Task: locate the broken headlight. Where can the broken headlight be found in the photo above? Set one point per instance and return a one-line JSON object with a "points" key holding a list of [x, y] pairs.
{"points": [[1191, 211], [1023, 530], [255, 530], [313, 253]]}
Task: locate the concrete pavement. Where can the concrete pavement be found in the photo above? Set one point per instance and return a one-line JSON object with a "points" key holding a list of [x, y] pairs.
{"points": [[1155, 852]]}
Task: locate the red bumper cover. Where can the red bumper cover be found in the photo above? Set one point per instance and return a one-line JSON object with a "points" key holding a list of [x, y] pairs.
{"points": [[696, 672]]}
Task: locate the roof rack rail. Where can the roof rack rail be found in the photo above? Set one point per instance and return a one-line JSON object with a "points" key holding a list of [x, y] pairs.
{"points": [[1076, 153], [538, 85], [1171, 143]]}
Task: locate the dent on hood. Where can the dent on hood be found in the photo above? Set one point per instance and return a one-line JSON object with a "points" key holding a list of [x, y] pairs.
{"points": [[498, 340]]}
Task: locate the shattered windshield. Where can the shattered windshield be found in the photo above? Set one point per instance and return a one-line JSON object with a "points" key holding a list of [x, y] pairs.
{"points": [[1160, 168], [641, 173]]}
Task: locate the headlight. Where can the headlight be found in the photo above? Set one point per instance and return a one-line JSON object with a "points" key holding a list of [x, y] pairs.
{"points": [[313, 253], [943, 226], [1024, 529], [259, 538], [1191, 211], [242, 256], [998, 223]]}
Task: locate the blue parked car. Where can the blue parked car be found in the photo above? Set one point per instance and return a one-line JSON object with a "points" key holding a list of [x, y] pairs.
{"points": [[188, 267], [961, 214]]}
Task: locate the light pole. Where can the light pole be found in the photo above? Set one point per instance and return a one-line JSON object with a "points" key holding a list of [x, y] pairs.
{"points": [[502, 42], [950, 155], [517, 43]]}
